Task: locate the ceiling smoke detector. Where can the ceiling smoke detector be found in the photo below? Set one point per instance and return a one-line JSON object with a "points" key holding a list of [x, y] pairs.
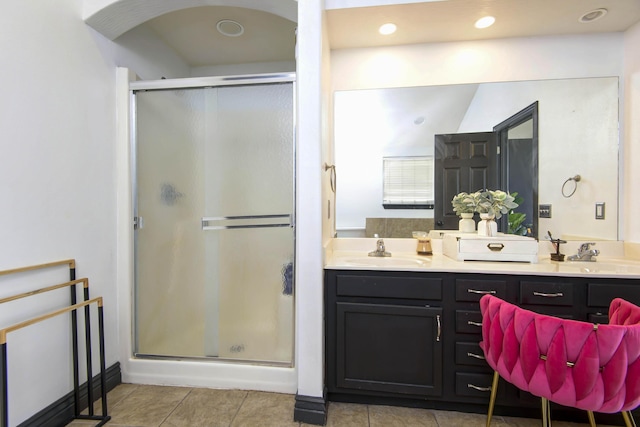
{"points": [[230, 28], [592, 15]]}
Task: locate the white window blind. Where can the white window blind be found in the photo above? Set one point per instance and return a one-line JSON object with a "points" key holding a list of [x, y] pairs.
{"points": [[408, 181]]}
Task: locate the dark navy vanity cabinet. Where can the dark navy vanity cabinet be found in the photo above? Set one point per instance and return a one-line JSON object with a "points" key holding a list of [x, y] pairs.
{"points": [[412, 338]]}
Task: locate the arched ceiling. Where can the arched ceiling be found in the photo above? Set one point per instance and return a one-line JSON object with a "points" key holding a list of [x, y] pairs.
{"points": [[113, 18]]}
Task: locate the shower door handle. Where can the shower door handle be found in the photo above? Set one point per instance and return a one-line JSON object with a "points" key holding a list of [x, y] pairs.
{"points": [[248, 221]]}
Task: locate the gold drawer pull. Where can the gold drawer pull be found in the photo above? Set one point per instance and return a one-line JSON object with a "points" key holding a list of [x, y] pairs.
{"points": [[542, 294], [475, 291], [495, 247], [472, 323], [477, 356], [475, 387]]}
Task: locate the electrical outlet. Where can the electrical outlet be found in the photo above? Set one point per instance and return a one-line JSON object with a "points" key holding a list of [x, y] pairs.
{"points": [[599, 210], [544, 211]]}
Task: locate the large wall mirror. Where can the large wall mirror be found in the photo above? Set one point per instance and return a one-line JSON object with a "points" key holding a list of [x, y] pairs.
{"points": [[577, 135]]}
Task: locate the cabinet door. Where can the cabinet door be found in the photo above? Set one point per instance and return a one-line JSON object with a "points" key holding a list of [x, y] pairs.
{"points": [[389, 348]]}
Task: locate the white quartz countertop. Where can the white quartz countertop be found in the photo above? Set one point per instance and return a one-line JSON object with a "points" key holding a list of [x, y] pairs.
{"points": [[351, 254]]}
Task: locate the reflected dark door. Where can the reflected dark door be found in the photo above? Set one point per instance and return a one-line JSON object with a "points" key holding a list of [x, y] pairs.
{"points": [[463, 162], [519, 174], [518, 141]]}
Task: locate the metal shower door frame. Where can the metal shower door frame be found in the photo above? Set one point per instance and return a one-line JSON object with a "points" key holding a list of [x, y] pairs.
{"points": [[200, 83]]}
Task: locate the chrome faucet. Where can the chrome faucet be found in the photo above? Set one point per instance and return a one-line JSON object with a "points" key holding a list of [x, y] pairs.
{"points": [[380, 251], [585, 253]]}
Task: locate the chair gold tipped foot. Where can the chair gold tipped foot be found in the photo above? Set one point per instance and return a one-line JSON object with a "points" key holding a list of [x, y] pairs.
{"points": [[592, 419], [492, 400], [628, 419], [546, 412]]}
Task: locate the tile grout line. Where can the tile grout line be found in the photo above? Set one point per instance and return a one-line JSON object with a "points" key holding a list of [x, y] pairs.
{"points": [[368, 417], [122, 399], [238, 410], [176, 407]]}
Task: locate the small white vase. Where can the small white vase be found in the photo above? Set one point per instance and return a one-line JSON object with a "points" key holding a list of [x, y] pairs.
{"points": [[487, 225], [466, 223]]}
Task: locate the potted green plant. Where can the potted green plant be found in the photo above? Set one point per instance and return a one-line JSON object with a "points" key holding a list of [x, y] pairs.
{"points": [[464, 205], [491, 205], [517, 220], [494, 203]]}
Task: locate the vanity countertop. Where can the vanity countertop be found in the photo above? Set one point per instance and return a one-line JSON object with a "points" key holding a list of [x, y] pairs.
{"points": [[351, 254]]}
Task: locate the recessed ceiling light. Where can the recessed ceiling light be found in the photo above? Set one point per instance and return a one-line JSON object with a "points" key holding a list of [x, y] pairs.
{"points": [[230, 28], [387, 29], [592, 15], [485, 22]]}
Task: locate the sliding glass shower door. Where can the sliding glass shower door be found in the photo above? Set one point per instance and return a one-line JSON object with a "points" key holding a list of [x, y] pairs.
{"points": [[215, 237]]}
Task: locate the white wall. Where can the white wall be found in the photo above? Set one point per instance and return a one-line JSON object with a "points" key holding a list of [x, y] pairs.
{"points": [[57, 171], [531, 58], [58, 166], [141, 50], [311, 51], [631, 146], [250, 68]]}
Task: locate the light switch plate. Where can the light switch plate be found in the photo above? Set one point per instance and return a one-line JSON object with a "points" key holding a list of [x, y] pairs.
{"points": [[544, 211], [599, 210]]}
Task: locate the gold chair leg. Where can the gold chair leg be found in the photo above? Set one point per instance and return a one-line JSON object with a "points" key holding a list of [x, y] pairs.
{"points": [[628, 419], [492, 400], [546, 412], [592, 419]]}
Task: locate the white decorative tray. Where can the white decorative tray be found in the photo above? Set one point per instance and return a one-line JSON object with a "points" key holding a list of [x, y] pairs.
{"points": [[503, 247]]}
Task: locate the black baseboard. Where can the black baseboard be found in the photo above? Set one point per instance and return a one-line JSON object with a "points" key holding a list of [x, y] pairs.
{"points": [[62, 411], [310, 410]]}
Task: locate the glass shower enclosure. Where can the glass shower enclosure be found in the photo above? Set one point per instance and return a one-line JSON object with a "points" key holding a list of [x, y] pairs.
{"points": [[214, 219]]}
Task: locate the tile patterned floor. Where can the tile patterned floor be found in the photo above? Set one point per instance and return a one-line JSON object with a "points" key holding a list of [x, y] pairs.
{"points": [[156, 406]]}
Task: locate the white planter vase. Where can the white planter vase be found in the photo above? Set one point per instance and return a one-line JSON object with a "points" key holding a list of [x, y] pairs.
{"points": [[487, 226], [466, 223]]}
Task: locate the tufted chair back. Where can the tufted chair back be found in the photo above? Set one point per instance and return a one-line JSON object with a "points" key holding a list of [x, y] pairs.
{"points": [[576, 364]]}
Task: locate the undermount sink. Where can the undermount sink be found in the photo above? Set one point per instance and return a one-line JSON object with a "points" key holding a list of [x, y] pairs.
{"points": [[386, 261], [608, 265]]}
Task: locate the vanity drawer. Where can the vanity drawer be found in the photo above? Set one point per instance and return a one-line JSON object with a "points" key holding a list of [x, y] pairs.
{"points": [[389, 287], [471, 290], [601, 294], [468, 322], [601, 318], [546, 293], [475, 385], [470, 354]]}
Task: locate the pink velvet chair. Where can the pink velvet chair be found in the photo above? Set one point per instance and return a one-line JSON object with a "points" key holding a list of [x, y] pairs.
{"points": [[577, 364]]}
